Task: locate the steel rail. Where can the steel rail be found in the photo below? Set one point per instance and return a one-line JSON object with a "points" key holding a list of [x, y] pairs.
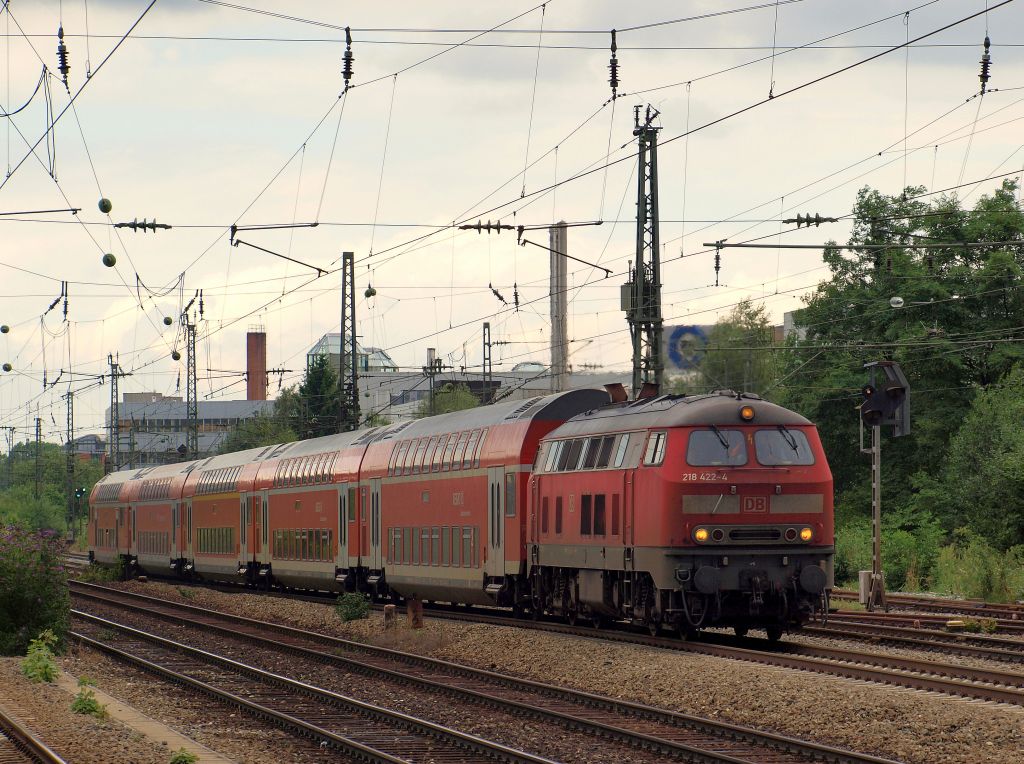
{"points": [[25, 742], [637, 714], [471, 746], [1011, 612], [930, 640]]}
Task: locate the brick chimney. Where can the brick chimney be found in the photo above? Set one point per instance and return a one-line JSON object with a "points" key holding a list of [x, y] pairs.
{"points": [[256, 364]]}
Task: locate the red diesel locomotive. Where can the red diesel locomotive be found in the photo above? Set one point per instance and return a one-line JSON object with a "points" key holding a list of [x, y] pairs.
{"points": [[678, 512]]}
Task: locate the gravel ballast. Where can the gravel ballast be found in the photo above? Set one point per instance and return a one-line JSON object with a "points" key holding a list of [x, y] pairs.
{"points": [[896, 723], [46, 710]]}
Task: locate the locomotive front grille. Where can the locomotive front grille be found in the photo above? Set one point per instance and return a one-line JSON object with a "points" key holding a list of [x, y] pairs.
{"points": [[755, 534]]}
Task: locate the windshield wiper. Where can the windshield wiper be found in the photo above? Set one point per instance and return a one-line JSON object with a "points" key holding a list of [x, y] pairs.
{"points": [[721, 438], [788, 437]]}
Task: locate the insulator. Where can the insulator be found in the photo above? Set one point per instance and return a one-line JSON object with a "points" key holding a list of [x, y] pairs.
{"points": [[515, 294], [986, 63], [62, 56], [347, 59], [718, 266], [613, 68]]}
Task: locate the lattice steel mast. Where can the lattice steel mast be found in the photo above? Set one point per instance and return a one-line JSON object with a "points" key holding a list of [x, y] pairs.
{"points": [[348, 361], [642, 294]]}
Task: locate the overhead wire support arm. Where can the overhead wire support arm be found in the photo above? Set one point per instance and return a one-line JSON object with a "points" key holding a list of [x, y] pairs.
{"points": [[273, 227], [607, 271], [951, 245], [319, 271], [72, 210]]}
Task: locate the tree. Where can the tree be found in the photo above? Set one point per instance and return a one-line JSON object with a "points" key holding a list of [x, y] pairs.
{"points": [[261, 430], [734, 359], [449, 397], [954, 337], [18, 502]]}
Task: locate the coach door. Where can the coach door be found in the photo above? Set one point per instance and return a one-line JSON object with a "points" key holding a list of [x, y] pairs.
{"points": [[256, 521], [495, 565], [375, 530], [245, 525], [187, 512]]}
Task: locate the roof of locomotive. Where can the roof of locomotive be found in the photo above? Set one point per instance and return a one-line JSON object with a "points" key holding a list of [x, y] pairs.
{"points": [[719, 408], [558, 406]]}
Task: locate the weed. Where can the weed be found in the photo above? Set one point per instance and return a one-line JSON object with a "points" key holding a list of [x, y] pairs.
{"points": [[186, 593], [39, 665], [181, 756], [352, 606], [85, 701]]}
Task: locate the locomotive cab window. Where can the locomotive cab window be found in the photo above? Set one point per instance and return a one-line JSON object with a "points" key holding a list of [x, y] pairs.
{"points": [[655, 453], [782, 447], [716, 448]]}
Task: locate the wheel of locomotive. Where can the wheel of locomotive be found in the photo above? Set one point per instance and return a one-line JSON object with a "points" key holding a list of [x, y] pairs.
{"points": [[572, 615], [654, 627], [741, 630], [597, 620], [774, 632]]}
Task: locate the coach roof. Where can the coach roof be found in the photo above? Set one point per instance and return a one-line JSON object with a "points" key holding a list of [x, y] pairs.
{"points": [[721, 408]]}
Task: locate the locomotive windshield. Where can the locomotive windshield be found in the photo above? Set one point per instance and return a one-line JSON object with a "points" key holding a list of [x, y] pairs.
{"points": [[782, 446], [715, 447]]}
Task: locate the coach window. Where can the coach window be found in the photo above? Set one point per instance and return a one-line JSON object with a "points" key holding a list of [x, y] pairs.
{"points": [[460, 451], [446, 546], [593, 452], [605, 455], [415, 546], [407, 546], [558, 515], [474, 441], [655, 453], [417, 457], [715, 448], [449, 450], [435, 460], [510, 494], [428, 455], [544, 516], [479, 447], [393, 458], [586, 507], [425, 539], [404, 466], [403, 448], [391, 546], [435, 546], [599, 514]]}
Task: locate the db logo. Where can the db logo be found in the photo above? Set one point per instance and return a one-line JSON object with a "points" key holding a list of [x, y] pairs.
{"points": [[755, 504]]}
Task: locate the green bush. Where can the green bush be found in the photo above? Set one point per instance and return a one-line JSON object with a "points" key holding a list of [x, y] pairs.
{"points": [[352, 606], [39, 665], [970, 567], [85, 701], [908, 551], [33, 588], [181, 756]]}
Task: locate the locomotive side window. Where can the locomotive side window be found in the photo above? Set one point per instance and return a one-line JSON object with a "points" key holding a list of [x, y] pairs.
{"points": [[553, 449], [605, 453], [715, 448], [544, 516], [593, 451], [558, 515], [655, 452], [585, 514], [782, 447], [599, 514], [620, 452]]}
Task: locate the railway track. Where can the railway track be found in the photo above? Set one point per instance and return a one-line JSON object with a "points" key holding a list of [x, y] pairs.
{"points": [[930, 640], [935, 676], [666, 734], [1009, 612], [360, 730], [19, 745]]}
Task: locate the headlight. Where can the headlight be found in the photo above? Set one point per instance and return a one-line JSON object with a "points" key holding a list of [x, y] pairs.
{"points": [[806, 534], [747, 413], [701, 535]]}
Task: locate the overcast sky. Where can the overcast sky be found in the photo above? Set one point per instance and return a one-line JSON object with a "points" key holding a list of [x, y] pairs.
{"points": [[205, 117]]}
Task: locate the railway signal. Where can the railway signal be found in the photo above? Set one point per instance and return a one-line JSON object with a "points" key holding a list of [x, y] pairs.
{"points": [[886, 402]]}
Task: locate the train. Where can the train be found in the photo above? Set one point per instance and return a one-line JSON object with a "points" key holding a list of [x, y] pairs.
{"points": [[674, 512]]}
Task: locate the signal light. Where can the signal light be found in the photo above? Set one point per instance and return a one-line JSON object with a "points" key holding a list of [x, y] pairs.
{"points": [[747, 413]]}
